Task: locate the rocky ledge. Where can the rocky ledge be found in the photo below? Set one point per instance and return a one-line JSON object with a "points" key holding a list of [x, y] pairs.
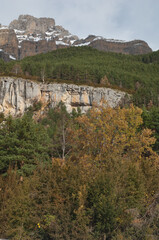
{"points": [[17, 95]]}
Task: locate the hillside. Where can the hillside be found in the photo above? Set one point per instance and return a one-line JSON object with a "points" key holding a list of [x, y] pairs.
{"points": [[83, 65], [69, 175], [73, 176]]}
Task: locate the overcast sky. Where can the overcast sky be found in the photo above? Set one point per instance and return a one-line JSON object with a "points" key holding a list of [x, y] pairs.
{"points": [[118, 19]]}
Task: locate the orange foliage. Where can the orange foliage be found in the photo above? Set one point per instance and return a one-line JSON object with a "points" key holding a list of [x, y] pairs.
{"points": [[107, 133]]}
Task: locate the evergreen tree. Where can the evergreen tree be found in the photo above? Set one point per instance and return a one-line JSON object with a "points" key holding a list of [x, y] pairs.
{"points": [[23, 143]]}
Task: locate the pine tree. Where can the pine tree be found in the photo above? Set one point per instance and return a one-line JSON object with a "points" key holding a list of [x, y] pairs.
{"points": [[23, 143]]}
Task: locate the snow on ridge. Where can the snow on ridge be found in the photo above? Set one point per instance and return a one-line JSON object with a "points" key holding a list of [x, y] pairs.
{"points": [[72, 41], [69, 36], [62, 36], [61, 43], [4, 27], [82, 44], [50, 33], [108, 39], [11, 57], [98, 38], [35, 39], [115, 40], [23, 37], [18, 31], [48, 38], [138, 44]]}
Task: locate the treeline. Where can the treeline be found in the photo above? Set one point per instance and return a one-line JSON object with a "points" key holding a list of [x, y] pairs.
{"points": [[84, 65], [73, 176]]}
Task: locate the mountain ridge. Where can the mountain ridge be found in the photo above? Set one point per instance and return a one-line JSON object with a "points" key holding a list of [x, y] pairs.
{"points": [[28, 36]]}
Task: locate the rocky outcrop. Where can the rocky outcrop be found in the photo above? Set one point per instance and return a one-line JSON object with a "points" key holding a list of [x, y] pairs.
{"points": [[9, 42], [134, 47], [29, 48], [16, 95], [39, 35], [4, 56], [32, 25], [112, 45]]}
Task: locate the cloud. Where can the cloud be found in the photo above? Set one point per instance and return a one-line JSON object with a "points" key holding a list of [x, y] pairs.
{"points": [[84, 15], [121, 19]]}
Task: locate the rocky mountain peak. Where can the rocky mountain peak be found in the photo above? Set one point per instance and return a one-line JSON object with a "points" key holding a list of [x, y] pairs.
{"points": [[32, 25], [29, 28]]}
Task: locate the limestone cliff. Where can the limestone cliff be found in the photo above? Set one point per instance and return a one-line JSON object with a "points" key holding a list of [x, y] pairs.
{"points": [[16, 95]]}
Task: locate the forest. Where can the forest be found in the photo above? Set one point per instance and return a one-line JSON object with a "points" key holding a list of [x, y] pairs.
{"points": [[138, 75], [73, 176]]}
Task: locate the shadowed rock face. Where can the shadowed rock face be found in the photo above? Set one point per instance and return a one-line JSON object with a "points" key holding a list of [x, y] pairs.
{"points": [[112, 45], [29, 48], [29, 36], [16, 95], [134, 47], [4, 56], [9, 42]]}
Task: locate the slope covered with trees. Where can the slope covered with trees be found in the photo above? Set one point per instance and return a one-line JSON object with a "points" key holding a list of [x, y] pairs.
{"points": [[105, 185], [73, 176], [84, 65]]}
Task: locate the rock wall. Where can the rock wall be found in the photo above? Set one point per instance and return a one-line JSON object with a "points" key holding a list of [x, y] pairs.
{"points": [[32, 25], [17, 94], [29, 48], [4, 56], [9, 42], [133, 47]]}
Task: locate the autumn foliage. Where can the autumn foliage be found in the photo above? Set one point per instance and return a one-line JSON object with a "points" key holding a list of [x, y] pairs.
{"points": [[106, 187]]}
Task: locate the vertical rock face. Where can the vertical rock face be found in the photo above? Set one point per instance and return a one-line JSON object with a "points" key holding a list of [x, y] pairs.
{"points": [[134, 47], [16, 95], [4, 56], [9, 42], [32, 25], [29, 48]]}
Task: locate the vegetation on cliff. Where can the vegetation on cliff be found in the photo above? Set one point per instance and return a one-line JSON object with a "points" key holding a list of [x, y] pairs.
{"points": [[103, 186], [73, 176], [84, 65]]}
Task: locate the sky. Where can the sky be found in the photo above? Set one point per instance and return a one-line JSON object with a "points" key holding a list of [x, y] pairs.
{"points": [[117, 19]]}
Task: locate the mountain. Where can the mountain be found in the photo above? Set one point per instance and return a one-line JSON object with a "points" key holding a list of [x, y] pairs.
{"points": [[29, 36]]}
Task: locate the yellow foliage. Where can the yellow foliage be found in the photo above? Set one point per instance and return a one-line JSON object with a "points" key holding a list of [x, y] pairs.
{"points": [[107, 133]]}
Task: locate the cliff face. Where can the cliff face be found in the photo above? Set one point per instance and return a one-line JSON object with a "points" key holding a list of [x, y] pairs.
{"points": [[28, 36], [29, 48], [32, 25], [4, 56], [39, 35], [134, 47], [9, 42], [16, 95]]}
